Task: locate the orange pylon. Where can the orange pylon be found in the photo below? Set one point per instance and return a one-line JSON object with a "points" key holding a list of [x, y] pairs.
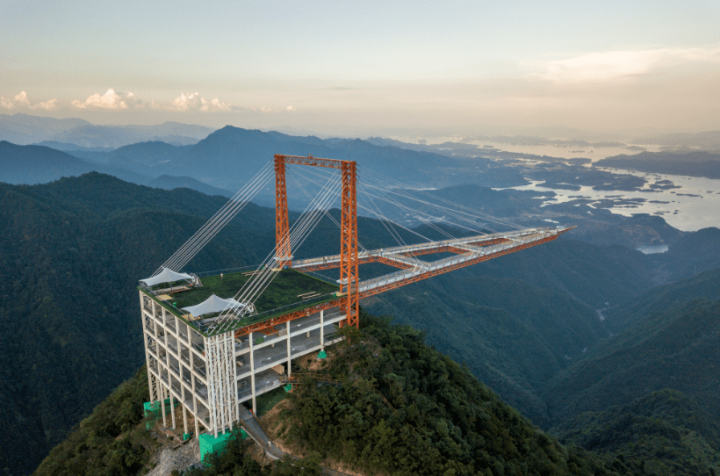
{"points": [[349, 276], [282, 226], [349, 243]]}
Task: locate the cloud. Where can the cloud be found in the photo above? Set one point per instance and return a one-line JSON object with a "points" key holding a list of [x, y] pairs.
{"points": [[291, 109], [193, 101], [609, 65], [109, 100], [22, 101]]}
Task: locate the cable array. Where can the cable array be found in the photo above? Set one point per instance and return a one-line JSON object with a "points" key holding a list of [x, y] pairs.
{"points": [[427, 208], [265, 273], [218, 221]]}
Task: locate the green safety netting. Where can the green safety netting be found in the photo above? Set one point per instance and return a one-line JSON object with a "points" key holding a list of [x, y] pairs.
{"points": [[210, 444], [153, 411]]}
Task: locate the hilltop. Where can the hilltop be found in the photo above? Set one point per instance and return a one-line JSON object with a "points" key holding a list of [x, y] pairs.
{"points": [[402, 409], [72, 250]]}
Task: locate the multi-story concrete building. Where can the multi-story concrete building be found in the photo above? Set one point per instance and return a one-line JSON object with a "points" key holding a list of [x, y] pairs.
{"points": [[210, 374]]}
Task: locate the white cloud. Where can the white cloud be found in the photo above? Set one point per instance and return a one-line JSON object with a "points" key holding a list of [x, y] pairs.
{"points": [[113, 100], [109, 100], [193, 101], [22, 101], [608, 65]]}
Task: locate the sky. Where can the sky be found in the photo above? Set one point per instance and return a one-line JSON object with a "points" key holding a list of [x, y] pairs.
{"points": [[369, 68]]}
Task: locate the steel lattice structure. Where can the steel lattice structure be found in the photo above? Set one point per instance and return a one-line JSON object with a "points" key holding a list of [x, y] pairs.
{"points": [[348, 258], [210, 371]]}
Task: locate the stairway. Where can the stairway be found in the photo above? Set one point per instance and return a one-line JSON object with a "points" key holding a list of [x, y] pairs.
{"points": [[253, 428]]}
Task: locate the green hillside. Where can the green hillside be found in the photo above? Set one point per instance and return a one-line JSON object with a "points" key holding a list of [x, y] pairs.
{"points": [[665, 433], [705, 284], [73, 250], [512, 335], [677, 349], [403, 409], [71, 254]]}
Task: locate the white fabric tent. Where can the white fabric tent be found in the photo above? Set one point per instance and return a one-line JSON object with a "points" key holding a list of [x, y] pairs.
{"points": [[167, 276], [215, 304]]}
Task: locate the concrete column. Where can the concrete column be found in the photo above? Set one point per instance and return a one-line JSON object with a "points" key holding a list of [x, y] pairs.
{"points": [[145, 341], [289, 350], [182, 402], [195, 408], [322, 329], [165, 329], [172, 409], [162, 403], [252, 373]]}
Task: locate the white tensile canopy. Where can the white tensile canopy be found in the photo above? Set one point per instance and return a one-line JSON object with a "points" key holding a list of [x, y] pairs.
{"points": [[215, 304], [167, 276]]}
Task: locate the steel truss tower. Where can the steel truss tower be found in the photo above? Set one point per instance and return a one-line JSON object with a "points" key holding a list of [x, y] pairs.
{"points": [[349, 276]]}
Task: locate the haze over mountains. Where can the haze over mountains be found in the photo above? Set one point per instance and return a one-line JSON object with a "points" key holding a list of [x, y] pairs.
{"points": [[517, 323], [582, 335], [24, 129], [227, 158]]}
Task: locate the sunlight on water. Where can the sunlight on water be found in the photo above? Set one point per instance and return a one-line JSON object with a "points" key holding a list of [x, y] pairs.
{"points": [[695, 205]]}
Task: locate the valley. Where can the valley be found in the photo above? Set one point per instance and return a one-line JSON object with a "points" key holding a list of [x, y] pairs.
{"points": [[535, 322], [527, 326]]}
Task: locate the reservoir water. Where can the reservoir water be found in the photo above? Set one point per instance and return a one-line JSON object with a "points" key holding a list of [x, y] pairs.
{"points": [[692, 206]]}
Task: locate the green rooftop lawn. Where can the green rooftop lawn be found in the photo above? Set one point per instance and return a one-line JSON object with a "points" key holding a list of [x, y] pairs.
{"points": [[284, 290]]}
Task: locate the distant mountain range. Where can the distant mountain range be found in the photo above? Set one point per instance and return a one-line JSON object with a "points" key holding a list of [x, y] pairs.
{"points": [[525, 324], [33, 164], [24, 129], [695, 164], [226, 159]]}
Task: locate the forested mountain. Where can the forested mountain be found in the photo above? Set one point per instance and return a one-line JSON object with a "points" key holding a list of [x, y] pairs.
{"points": [[692, 254], [664, 433], [402, 409], [168, 182], [673, 349], [660, 299], [37, 164], [33, 164], [73, 250]]}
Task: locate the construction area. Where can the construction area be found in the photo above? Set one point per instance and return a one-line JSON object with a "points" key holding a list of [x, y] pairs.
{"points": [[216, 341]]}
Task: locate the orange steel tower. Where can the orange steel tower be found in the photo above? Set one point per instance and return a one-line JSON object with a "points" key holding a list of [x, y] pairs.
{"points": [[348, 225]]}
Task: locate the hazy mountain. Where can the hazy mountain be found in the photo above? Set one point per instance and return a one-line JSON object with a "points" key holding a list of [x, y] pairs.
{"points": [[676, 349], [708, 140], [118, 136], [695, 164], [24, 129], [168, 182], [70, 148], [231, 156], [33, 164], [37, 164], [665, 433], [660, 299], [691, 254]]}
